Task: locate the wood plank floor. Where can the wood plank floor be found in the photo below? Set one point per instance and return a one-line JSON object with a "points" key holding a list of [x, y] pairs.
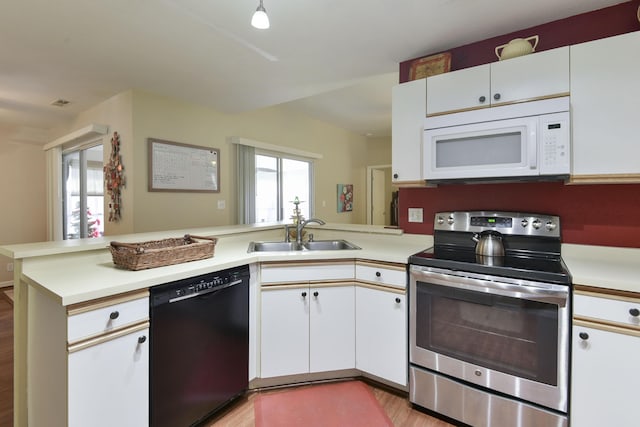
{"points": [[6, 362], [240, 414]]}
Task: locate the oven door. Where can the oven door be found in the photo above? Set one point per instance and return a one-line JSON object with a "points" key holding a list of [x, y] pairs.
{"points": [[503, 334]]}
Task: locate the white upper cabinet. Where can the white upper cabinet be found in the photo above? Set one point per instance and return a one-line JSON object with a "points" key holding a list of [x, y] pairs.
{"points": [[525, 78], [459, 90], [408, 113], [605, 100]]}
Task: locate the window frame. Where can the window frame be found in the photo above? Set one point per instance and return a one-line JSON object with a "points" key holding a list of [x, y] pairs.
{"points": [[83, 164], [280, 201]]}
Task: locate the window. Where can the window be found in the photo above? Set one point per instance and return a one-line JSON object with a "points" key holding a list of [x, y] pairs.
{"points": [[269, 182], [279, 180], [83, 193]]}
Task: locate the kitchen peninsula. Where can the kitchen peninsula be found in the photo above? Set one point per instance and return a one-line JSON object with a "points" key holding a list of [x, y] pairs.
{"points": [[51, 277], [54, 280]]}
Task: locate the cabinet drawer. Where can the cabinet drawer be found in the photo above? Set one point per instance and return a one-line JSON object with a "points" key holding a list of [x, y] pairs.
{"points": [[382, 274], [305, 272], [622, 311], [84, 322]]}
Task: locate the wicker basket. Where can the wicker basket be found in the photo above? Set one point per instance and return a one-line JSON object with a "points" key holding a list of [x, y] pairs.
{"points": [[157, 253]]}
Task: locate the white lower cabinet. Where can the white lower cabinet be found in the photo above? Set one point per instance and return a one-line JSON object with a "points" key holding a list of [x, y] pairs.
{"points": [[327, 322], [88, 362], [381, 333], [605, 353], [109, 382], [307, 329], [332, 328], [284, 347]]}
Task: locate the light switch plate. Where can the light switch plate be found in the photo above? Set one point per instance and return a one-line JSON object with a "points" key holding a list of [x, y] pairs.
{"points": [[415, 214]]}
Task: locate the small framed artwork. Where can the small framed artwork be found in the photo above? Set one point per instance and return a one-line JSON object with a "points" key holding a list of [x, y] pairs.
{"points": [[430, 66], [345, 197]]}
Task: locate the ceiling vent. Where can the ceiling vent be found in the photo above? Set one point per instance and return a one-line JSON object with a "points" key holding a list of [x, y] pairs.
{"points": [[60, 103]]}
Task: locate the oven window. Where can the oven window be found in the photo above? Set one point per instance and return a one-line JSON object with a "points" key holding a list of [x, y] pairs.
{"points": [[509, 335]]}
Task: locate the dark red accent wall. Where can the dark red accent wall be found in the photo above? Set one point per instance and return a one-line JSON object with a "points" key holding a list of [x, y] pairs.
{"points": [[607, 22], [607, 215]]}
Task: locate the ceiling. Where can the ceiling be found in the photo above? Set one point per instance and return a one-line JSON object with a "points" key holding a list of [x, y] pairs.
{"points": [[335, 60]]}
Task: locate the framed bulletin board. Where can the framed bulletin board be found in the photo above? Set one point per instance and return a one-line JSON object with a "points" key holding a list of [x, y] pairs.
{"points": [[182, 167]]}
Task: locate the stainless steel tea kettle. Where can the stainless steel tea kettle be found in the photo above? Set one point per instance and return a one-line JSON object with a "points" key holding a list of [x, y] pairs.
{"points": [[488, 243]]}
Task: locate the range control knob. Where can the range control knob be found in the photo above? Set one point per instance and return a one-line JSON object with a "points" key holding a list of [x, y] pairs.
{"points": [[440, 220], [524, 223], [536, 223], [551, 225], [450, 220]]}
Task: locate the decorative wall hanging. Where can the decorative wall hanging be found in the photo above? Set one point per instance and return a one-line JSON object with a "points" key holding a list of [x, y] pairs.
{"points": [[345, 197], [183, 167], [430, 66], [114, 178]]}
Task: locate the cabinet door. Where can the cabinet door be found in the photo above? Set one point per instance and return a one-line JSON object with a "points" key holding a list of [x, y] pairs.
{"points": [[109, 383], [530, 77], [284, 346], [605, 375], [605, 100], [381, 334], [332, 328], [458, 90], [408, 113]]}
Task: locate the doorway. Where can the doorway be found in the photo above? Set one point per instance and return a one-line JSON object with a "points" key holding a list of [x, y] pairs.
{"points": [[379, 195]]}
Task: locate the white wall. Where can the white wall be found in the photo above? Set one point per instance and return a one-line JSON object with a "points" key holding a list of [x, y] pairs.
{"points": [[137, 116], [22, 191], [115, 112], [343, 162]]}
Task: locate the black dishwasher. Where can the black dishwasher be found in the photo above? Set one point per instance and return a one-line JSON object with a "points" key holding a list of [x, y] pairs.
{"points": [[199, 346]]}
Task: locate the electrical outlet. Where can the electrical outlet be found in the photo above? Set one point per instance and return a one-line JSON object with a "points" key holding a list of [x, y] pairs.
{"points": [[222, 204], [9, 266], [415, 214]]}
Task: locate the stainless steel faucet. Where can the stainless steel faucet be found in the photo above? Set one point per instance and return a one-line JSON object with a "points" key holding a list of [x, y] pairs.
{"points": [[302, 224]]}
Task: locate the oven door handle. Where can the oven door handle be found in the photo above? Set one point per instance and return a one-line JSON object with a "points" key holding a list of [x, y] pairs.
{"points": [[526, 290]]}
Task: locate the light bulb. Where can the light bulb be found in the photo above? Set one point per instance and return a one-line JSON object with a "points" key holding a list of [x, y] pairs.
{"points": [[260, 19]]}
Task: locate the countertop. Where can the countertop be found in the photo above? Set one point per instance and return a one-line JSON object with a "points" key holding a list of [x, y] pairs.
{"points": [[82, 271], [77, 271], [604, 267]]}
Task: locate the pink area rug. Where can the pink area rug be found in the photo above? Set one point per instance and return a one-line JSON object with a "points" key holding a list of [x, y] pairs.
{"points": [[344, 404]]}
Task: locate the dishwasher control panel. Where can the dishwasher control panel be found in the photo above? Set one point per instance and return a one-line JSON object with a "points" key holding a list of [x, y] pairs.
{"points": [[198, 285]]}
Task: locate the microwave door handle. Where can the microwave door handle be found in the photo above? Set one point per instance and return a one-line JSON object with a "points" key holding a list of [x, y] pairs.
{"points": [[533, 148]]}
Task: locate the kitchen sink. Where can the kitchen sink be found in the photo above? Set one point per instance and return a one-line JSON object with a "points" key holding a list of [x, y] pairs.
{"points": [[329, 245], [274, 246], [316, 245]]}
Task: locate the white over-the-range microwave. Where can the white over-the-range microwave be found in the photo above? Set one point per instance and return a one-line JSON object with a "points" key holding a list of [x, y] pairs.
{"points": [[524, 141]]}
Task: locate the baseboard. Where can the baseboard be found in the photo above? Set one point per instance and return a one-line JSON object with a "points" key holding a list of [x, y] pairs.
{"points": [[7, 284]]}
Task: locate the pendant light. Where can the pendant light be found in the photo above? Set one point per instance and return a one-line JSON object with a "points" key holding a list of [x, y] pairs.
{"points": [[260, 19]]}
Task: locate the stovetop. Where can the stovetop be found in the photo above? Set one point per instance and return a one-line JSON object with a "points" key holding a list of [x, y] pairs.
{"points": [[539, 267], [531, 245]]}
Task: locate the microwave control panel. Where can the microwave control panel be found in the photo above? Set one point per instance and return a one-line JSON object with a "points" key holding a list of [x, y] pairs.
{"points": [[555, 144]]}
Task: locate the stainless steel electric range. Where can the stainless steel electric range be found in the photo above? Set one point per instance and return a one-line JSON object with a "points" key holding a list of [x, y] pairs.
{"points": [[490, 320]]}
